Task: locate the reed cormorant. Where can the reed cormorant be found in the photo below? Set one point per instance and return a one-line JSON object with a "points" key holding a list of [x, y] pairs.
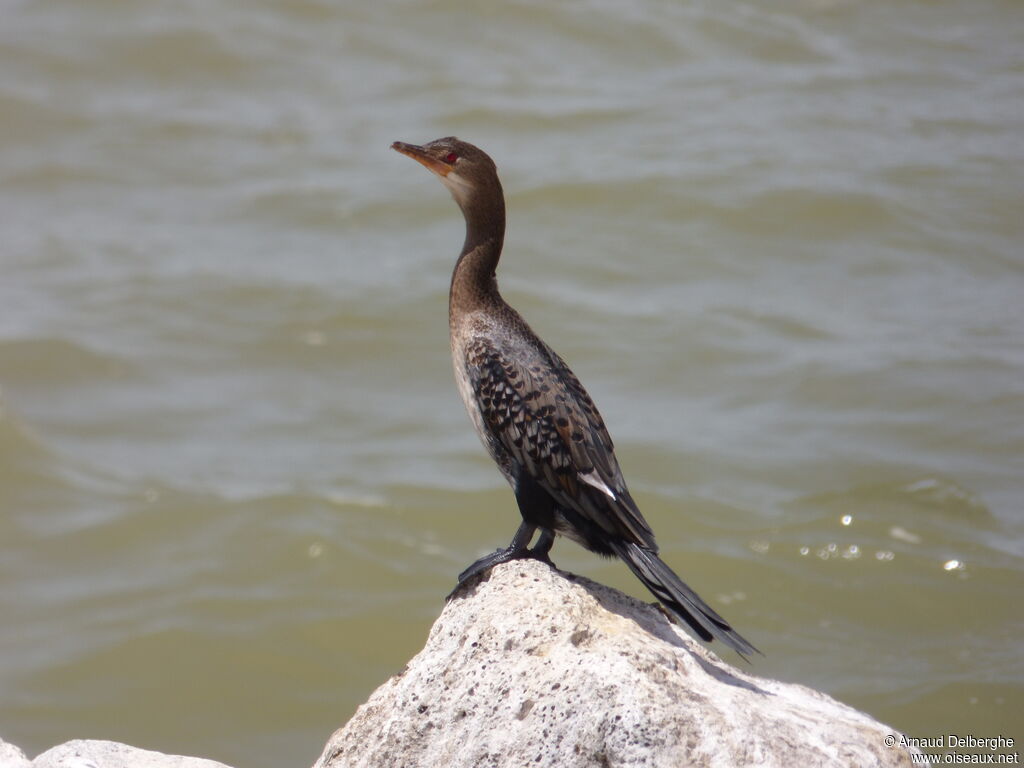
{"points": [[535, 418]]}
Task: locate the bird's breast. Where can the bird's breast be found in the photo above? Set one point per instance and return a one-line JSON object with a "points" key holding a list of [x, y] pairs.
{"points": [[469, 339]]}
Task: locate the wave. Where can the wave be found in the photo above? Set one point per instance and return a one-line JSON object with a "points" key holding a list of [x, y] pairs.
{"points": [[56, 361]]}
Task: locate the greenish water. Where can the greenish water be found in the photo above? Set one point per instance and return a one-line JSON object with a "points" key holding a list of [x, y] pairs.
{"points": [[782, 246]]}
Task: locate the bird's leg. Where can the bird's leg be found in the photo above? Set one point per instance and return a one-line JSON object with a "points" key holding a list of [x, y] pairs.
{"points": [[540, 550], [519, 548], [537, 506]]}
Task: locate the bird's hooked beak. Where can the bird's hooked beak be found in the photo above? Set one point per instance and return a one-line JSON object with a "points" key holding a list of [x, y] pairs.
{"points": [[420, 155]]}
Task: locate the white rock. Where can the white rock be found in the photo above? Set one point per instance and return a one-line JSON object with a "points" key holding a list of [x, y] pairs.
{"points": [[110, 754], [11, 756], [537, 667]]}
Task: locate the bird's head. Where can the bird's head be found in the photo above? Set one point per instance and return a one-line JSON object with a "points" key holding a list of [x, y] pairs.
{"points": [[468, 172]]}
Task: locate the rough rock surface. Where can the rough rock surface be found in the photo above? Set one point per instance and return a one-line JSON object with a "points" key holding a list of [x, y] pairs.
{"points": [[99, 754], [12, 757], [537, 667]]}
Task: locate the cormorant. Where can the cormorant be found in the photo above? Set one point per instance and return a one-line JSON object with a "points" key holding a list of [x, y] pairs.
{"points": [[534, 417]]}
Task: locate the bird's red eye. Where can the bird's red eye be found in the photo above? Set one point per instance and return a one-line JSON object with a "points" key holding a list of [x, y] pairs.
{"points": [[450, 158]]}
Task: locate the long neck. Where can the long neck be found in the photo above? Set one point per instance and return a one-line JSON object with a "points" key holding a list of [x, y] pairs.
{"points": [[473, 281]]}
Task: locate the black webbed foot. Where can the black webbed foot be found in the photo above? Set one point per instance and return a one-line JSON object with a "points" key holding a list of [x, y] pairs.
{"points": [[517, 550]]}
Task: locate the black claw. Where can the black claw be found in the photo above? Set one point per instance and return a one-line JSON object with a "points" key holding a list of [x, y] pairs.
{"points": [[542, 556], [485, 564], [517, 550]]}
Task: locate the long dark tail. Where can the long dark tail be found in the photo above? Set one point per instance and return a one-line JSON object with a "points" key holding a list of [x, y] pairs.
{"points": [[679, 599]]}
